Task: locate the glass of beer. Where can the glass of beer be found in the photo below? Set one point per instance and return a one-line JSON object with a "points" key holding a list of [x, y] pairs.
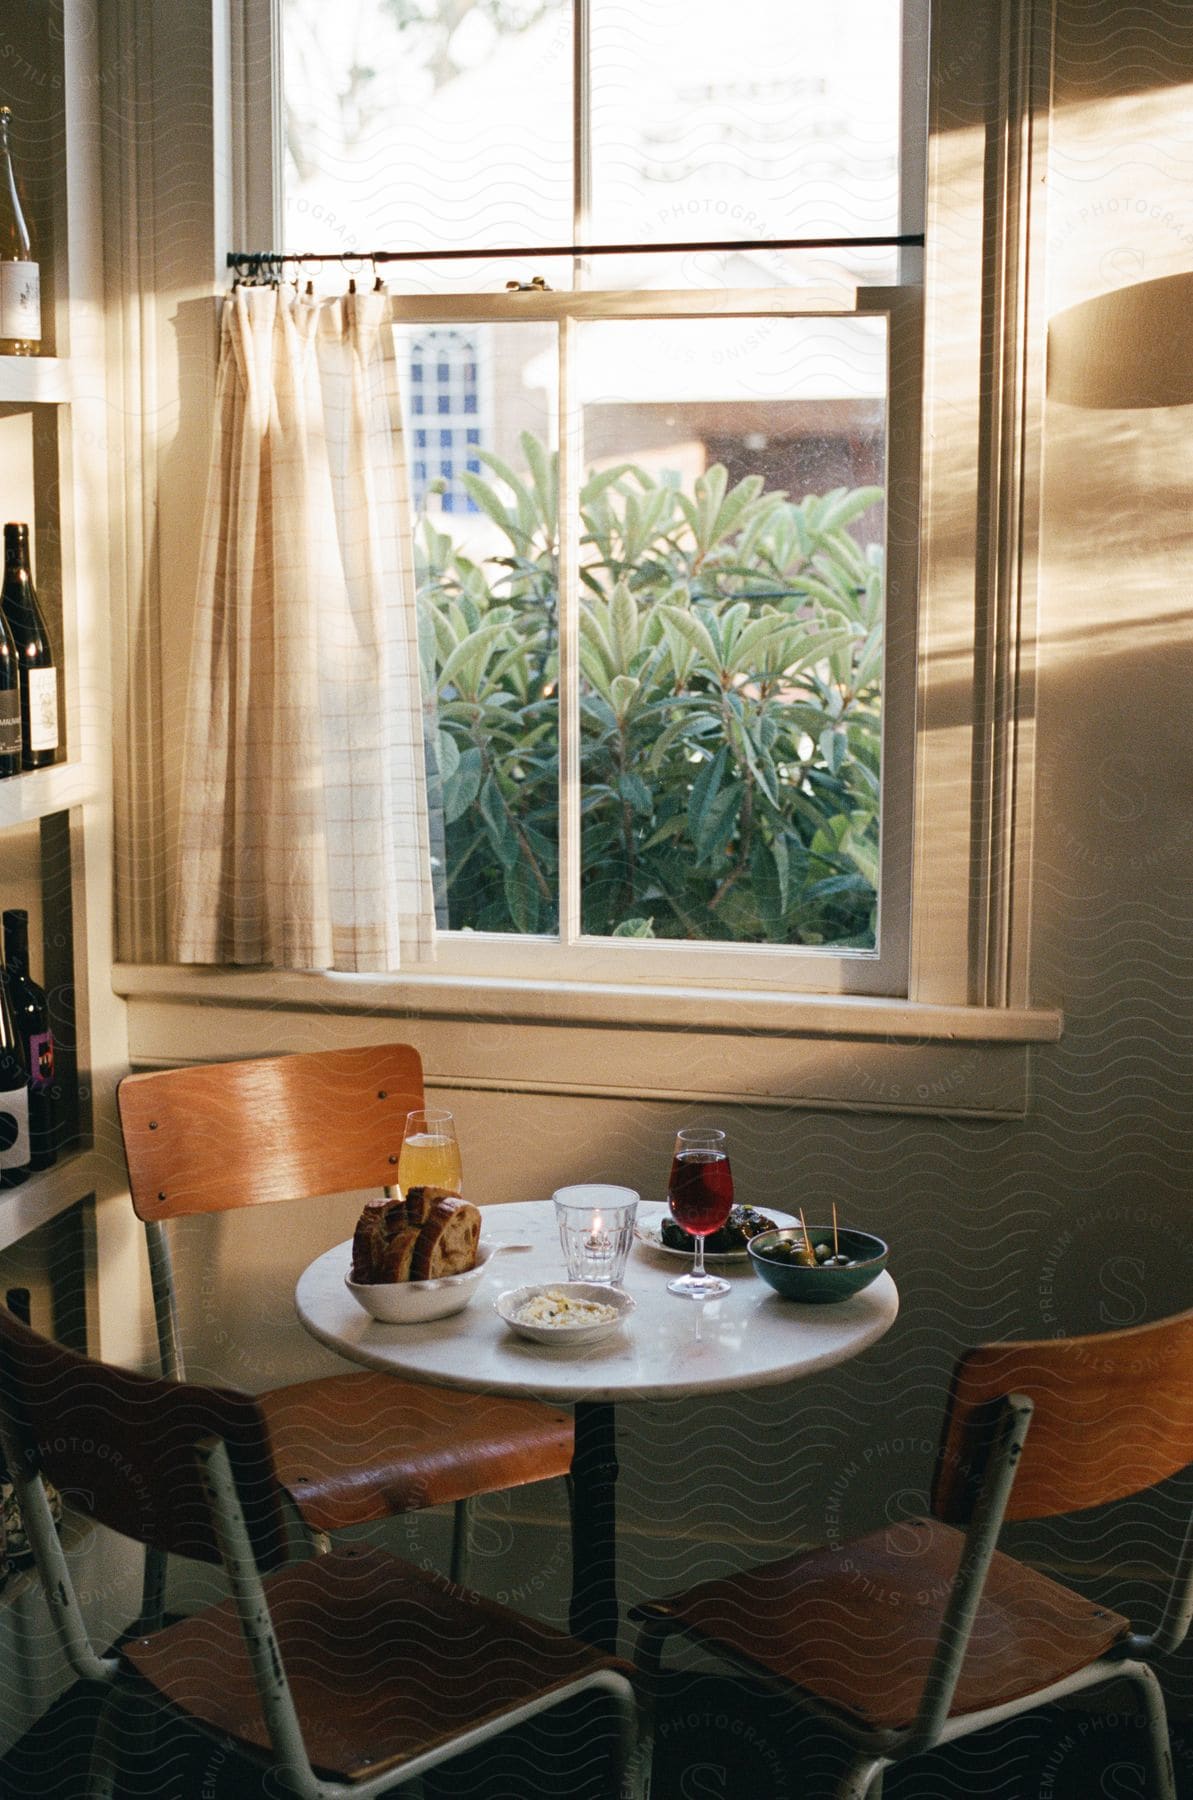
{"points": [[430, 1153]]}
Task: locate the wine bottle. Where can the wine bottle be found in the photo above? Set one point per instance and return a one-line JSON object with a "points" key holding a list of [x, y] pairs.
{"points": [[35, 659], [14, 1098], [10, 702], [20, 277], [31, 1016]]}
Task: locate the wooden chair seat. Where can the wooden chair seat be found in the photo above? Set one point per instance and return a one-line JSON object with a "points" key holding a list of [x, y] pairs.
{"points": [[856, 1626], [384, 1662], [356, 1447]]}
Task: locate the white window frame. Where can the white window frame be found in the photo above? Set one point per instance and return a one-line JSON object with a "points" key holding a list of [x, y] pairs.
{"points": [[957, 1042], [573, 954]]}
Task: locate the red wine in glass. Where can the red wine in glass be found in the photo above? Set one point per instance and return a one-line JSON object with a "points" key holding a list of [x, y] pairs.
{"points": [[700, 1191], [700, 1194]]}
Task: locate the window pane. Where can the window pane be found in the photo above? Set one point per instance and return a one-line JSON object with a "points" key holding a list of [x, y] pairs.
{"points": [[486, 556], [760, 119], [732, 628], [417, 124]]}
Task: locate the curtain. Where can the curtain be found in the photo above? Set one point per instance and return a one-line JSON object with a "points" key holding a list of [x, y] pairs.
{"points": [[303, 837]]}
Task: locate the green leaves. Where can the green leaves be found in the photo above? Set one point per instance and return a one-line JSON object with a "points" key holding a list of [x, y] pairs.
{"points": [[731, 653]]}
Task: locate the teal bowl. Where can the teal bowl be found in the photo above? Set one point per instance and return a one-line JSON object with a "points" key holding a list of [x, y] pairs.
{"points": [[819, 1286]]}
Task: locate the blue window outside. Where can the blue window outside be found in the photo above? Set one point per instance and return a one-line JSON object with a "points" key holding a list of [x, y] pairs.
{"points": [[444, 369]]}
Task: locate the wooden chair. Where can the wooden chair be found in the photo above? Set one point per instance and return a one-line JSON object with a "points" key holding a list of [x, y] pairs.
{"points": [[924, 1632], [346, 1674], [347, 1448]]}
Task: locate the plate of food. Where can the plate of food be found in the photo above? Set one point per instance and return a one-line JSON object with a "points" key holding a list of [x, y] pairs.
{"points": [[564, 1312], [659, 1232]]}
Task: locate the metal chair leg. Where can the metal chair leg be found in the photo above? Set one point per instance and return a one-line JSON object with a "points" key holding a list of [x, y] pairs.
{"points": [[862, 1780], [1156, 1720], [648, 1662], [461, 1541], [102, 1768], [153, 1594]]}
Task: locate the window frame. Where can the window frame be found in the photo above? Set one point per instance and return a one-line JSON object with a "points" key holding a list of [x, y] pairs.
{"points": [[958, 1044], [571, 954]]}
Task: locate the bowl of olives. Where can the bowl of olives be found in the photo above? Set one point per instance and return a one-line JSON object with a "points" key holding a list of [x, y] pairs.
{"points": [[817, 1272]]}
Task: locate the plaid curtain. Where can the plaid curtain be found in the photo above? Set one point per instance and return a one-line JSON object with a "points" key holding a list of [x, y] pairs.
{"points": [[303, 838]]}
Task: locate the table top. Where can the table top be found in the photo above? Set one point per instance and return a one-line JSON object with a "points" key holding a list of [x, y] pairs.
{"points": [[669, 1348]]}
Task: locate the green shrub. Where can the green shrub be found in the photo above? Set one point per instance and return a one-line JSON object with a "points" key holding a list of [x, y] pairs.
{"points": [[731, 661]]}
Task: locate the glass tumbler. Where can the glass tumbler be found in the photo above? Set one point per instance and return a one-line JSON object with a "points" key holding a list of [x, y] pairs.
{"points": [[596, 1229]]}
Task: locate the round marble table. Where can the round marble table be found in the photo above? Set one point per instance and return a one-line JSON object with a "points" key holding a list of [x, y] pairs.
{"points": [[669, 1348]]}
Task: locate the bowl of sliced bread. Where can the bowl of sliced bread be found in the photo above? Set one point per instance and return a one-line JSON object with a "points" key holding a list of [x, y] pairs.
{"points": [[417, 1258]]}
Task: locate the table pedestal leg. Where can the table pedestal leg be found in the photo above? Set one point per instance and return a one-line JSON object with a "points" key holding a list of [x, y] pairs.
{"points": [[594, 1524]]}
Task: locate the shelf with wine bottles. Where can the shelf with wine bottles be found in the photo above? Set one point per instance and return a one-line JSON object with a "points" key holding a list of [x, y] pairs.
{"points": [[47, 1194], [35, 380], [38, 793]]}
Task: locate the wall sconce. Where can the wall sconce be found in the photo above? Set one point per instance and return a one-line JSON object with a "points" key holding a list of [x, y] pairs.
{"points": [[1130, 348]]}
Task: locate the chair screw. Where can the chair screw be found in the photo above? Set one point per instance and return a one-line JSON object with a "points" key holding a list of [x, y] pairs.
{"points": [[153, 1124], [393, 1159], [383, 1094], [161, 1193]]}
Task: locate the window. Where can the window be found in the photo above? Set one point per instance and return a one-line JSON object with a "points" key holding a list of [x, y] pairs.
{"points": [[443, 394], [665, 619], [768, 1024]]}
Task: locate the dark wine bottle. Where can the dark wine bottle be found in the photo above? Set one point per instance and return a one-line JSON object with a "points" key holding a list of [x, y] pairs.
{"points": [[14, 1098], [35, 659], [10, 702], [31, 1016]]}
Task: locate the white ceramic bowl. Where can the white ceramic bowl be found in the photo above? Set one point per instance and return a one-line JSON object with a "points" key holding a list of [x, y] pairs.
{"points": [[511, 1302], [414, 1302]]}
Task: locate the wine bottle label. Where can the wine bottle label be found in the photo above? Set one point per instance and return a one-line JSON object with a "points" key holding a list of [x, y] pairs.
{"points": [[41, 1060], [10, 722], [20, 301], [43, 709], [14, 1129]]}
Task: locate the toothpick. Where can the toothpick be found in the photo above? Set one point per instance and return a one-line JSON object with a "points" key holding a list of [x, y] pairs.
{"points": [[809, 1253], [836, 1240]]}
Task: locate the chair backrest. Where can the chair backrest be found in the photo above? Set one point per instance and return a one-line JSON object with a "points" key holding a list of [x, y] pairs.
{"points": [[222, 1135], [1113, 1414], [122, 1446]]}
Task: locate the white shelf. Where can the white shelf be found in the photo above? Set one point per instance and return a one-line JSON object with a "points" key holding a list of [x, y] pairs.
{"points": [[44, 1195], [39, 792], [25, 380]]}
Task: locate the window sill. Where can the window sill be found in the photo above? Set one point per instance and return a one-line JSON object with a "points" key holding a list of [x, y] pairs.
{"points": [[758, 1048]]}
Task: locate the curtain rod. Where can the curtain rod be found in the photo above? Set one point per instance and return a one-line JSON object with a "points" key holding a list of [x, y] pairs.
{"points": [[253, 261]]}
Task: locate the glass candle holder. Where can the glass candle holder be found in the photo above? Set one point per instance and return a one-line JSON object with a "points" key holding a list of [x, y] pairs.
{"points": [[596, 1229]]}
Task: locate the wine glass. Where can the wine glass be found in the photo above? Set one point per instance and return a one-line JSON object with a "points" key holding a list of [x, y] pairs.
{"points": [[699, 1193], [430, 1152]]}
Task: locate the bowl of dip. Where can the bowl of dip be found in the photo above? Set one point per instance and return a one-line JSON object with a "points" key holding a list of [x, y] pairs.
{"points": [[564, 1312]]}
